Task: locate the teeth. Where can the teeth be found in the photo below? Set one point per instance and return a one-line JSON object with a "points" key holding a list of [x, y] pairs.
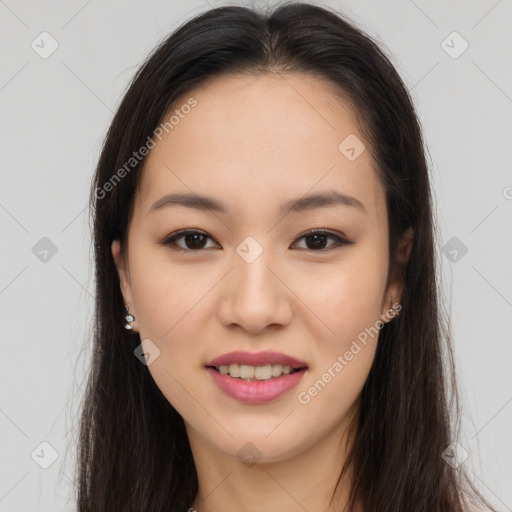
{"points": [[263, 372], [246, 372], [277, 369], [234, 370]]}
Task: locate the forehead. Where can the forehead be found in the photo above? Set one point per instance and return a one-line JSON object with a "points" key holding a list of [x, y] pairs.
{"points": [[260, 138]]}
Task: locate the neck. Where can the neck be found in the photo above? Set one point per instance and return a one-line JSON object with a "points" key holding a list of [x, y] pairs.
{"points": [[304, 482]]}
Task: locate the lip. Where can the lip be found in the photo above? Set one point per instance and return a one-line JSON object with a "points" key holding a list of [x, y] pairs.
{"points": [[257, 359], [256, 391]]}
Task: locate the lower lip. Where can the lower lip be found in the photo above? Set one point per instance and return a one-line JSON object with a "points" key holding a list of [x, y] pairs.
{"points": [[256, 391]]}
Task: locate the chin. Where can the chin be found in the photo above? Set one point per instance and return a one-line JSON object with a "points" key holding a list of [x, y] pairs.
{"points": [[263, 442]]}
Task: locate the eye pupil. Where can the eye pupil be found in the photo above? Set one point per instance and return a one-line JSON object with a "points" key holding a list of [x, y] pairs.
{"points": [[316, 238], [195, 237]]}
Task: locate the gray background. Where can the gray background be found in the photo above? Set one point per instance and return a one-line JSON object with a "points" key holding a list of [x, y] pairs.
{"points": [[55, 112]]}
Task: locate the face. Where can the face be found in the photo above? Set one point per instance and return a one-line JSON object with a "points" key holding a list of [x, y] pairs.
{"points": [[253, 275]]}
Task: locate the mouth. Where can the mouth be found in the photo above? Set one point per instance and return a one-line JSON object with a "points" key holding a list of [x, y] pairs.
{"points": [[260, 373], [256, 378]]}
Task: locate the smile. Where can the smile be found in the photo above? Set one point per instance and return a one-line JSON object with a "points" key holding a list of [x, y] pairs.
{"points": [[256, 377], [248, 373], [253, 390]]}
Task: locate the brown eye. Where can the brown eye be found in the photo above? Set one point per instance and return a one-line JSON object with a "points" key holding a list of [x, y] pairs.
{"points": [[316, 240], [193, 240]]}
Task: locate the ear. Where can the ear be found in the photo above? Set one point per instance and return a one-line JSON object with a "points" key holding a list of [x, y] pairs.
{"points": [[124, 275], [395, 289]]}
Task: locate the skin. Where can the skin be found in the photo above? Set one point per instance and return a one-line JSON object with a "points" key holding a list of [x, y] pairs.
{"points": [[254, 142]]}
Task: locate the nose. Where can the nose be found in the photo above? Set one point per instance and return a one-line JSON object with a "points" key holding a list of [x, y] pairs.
{"points": [[255, 295]]}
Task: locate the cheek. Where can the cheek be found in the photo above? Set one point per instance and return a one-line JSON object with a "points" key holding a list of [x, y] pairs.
{"points": [[165, 295], [169, 301], [347, 297], [349, 303]]}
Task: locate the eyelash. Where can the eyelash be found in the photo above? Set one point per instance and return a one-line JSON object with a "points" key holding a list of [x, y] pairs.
{"points": [[170, 240]]}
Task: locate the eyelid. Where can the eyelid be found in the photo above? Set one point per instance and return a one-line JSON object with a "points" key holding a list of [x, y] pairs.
{"points": [[325, 231]]}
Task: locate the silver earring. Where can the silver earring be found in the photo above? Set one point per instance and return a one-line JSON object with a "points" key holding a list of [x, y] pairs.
{"points": [[394, 311], [128, 319]]}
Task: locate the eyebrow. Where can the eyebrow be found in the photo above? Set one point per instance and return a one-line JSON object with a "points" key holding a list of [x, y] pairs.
{"points": [[305, 203]]}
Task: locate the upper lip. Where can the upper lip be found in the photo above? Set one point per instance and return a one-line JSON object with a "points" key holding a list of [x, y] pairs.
{"points": [[257, 359]]}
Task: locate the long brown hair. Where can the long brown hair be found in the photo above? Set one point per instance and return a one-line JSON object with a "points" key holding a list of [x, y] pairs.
{"points": [[134, 453]]}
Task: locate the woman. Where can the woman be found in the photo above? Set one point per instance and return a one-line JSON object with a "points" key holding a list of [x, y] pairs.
{"points": [[263, 228]]}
